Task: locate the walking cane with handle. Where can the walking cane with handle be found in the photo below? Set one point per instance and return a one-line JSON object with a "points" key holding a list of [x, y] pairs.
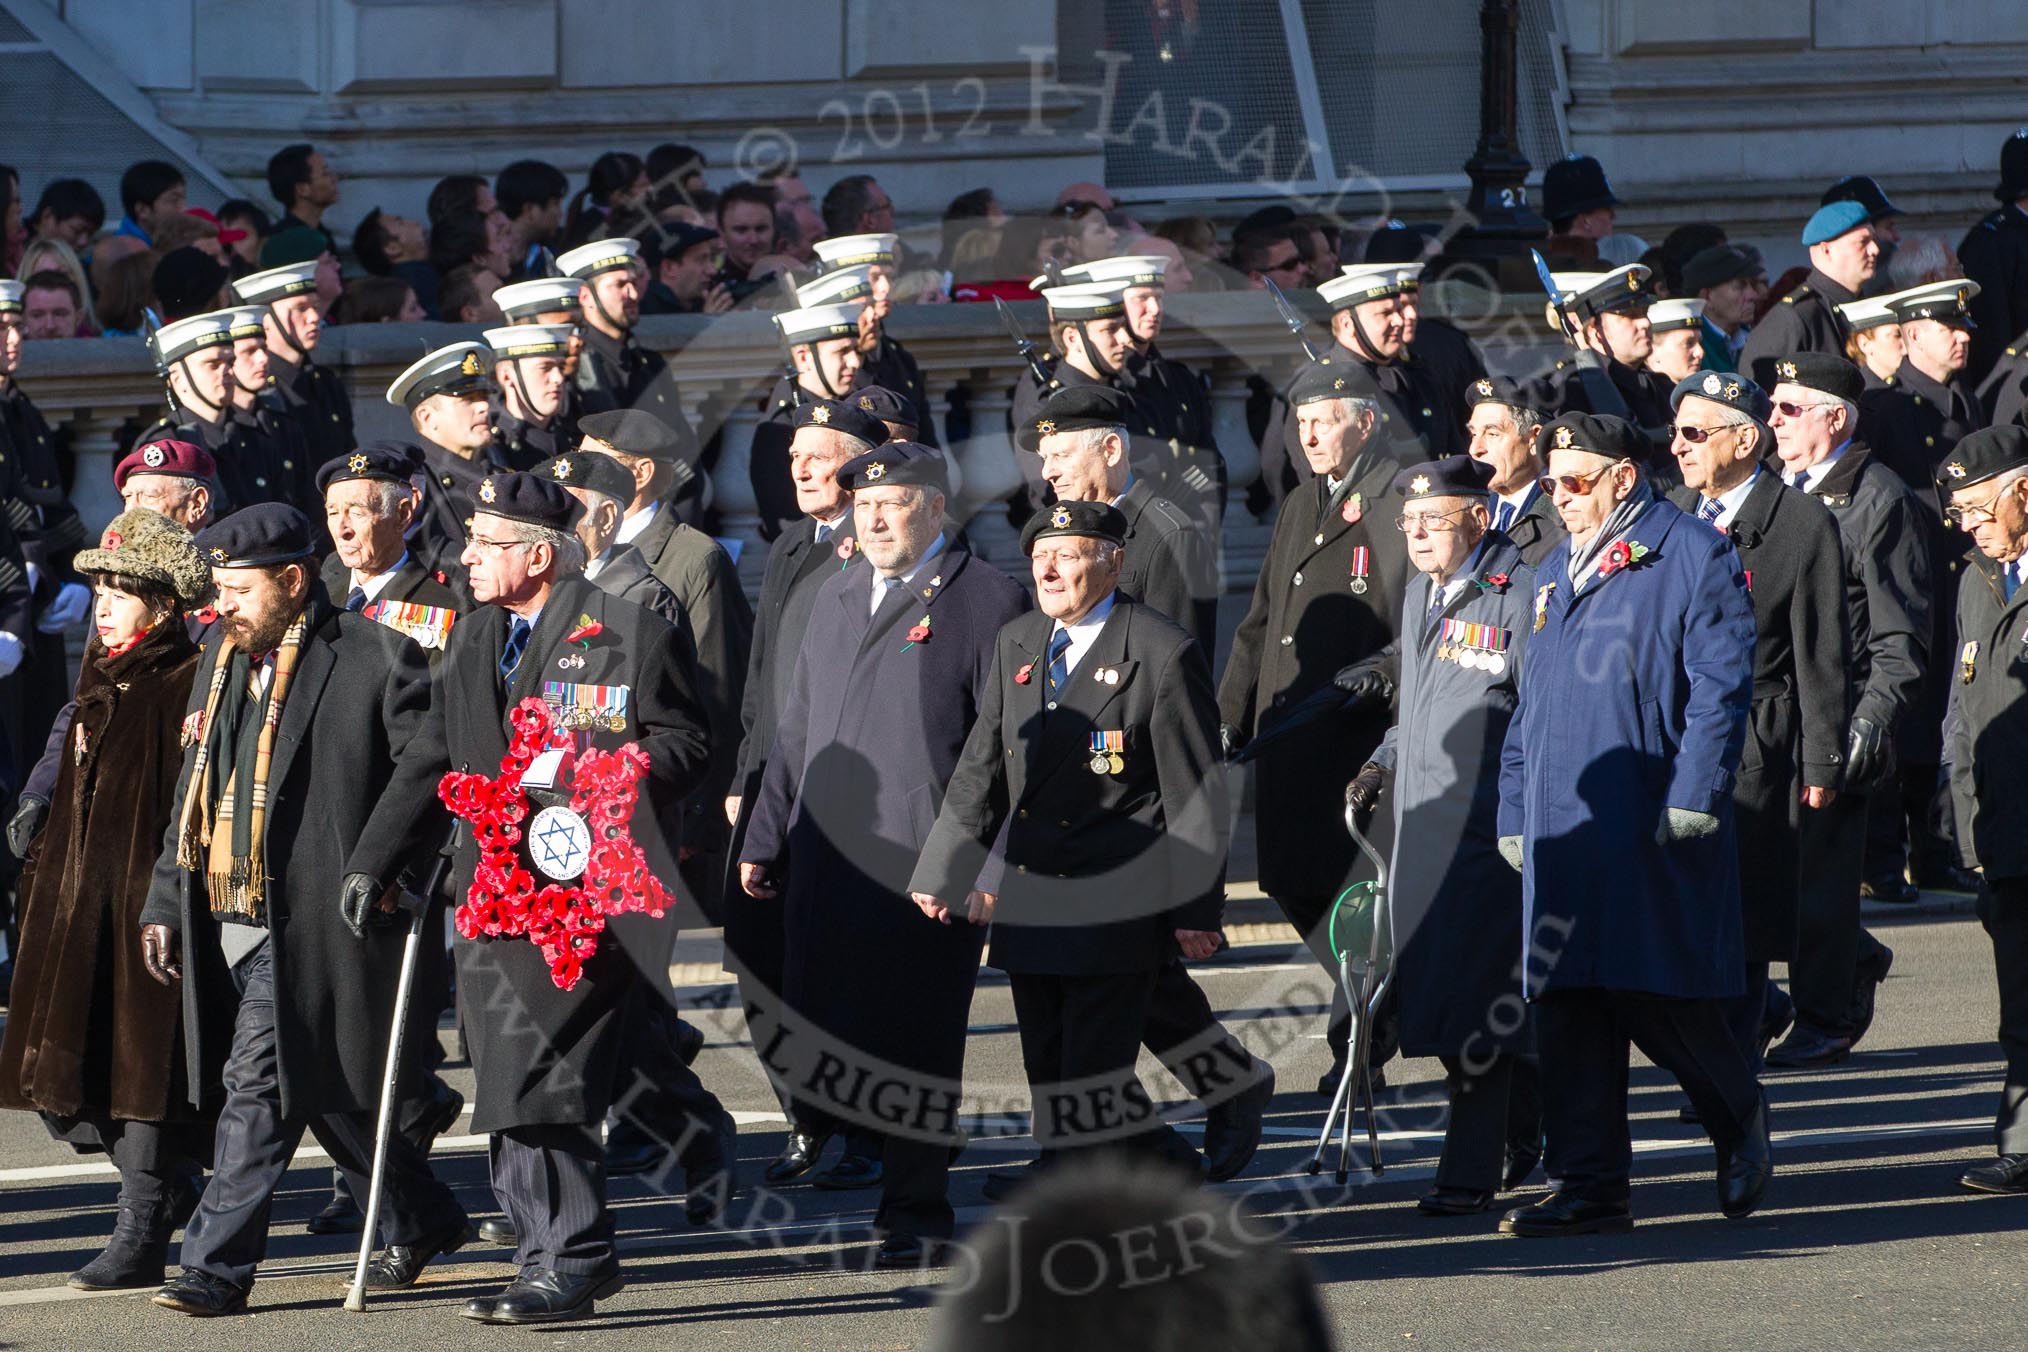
{"points": [[355, 1299]]}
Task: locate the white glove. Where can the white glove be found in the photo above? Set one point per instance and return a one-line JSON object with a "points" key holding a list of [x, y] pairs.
{"points": [[1680, 823], [73, 602], [1510, 850], [12, 650]]}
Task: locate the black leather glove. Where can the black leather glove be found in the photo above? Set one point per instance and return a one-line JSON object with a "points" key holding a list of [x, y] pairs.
{"points": [[356, 896], [1230, 740], [1363, 793], [1362, 682], [26, 823], [158, 953], [1865, 749]]}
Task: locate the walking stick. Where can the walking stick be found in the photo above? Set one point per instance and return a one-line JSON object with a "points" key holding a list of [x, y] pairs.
{"points": [[1365, 979], [355, 1299]]}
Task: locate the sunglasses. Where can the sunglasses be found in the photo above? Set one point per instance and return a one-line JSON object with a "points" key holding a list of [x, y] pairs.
{"points": [[1578, 485], [1698, 435], [1789, 410]]}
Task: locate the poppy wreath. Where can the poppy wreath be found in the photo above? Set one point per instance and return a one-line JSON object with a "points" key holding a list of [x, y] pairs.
{"points": [[504, 901]]}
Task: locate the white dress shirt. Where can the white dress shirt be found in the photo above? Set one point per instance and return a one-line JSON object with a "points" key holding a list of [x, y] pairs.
{"points": [[1082, 634], [882, 586], [1814, 475], [1730, 501], [633, 523], [373, 586]]}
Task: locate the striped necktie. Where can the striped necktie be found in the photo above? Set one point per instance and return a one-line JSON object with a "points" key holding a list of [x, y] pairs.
{"points": [[517, 643], [1059, 669]]}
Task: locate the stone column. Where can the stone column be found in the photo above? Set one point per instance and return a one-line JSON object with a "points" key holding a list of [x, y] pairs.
{"points": [[94, 441], [732, 483], [990, 473]]}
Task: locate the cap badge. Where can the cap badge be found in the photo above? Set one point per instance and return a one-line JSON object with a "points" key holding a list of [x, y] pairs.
{"points": [[1712, 384], [1419, 484], [1483, 388], [562, 469], [865, 404], [875, 471], [1060, 518], [357, 464], [217, 554], [113, 540], [470, 365], [820, 415], [1955, 470], [1786, 370], [153, 457], [1633, 282], [1964, 295], [1563, 438], [1046, 426], [488, 493], [1338, 384]]}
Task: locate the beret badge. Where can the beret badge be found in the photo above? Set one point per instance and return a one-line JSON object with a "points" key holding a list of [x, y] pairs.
{"points": [[1563, 438], [1419, 484], [1786, 370], [217, 554], [875, 471], [488, 493], [357, 464], [1484, 388], [1046, 426], [865, 404], [1060, 518], [563, 470], [1955, 470], [820, 415], [153, 457], [1712, 384]]}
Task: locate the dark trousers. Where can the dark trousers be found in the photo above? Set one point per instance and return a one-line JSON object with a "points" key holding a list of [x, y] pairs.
{"points": [[228, 1236], [1495, 1102], [2003, 910], [1312, 918], [1584, 1037], [1079, 1038], [1902, 820], [551, 1182], [1744, 1013], [1188, 1038], [655, 1096], [1821, 974]]}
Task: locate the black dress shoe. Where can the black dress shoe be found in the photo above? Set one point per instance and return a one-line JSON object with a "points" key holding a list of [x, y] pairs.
{"points": [[340, 1216], [201, 1294], [1232, 1128], [1327, 1085], [689, 1041], [1807, 1049], [498, 1230], [799, 1155], [1896, 889], [1443, 1201], [2008, 1174], [400, 1264], [1521, 1162], [448, 1108], [908, 1251], [543, 1297], [711, 1176], [1775, 1024], [1873, 970], [1004, 1183], [1688, 1113], [850, 1172], [1947, 878], [1563, 1213], [1743, 1171]]}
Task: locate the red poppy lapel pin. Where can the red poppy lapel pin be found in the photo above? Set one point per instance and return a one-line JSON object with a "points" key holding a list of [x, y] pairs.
{"points": [[1622, 554]]}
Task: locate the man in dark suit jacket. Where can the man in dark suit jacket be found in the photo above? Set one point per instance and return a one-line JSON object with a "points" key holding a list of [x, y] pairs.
{"points": [[893, 668], [1329, 595], [802, 559], [1095, 760], [281, 1005], [1506, 433], [551, 1062], [1794, 757], [1080, 435], [603, 487], [702, 578]]}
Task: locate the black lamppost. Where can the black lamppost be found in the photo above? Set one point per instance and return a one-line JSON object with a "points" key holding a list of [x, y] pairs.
{"points": [[1504, 225]]}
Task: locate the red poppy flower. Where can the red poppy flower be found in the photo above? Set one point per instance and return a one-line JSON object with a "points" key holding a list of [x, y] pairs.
{"points": [[1496, 579], [919, 634], [846, 548], [207, 615], [1021, 676], [1617, 556], [585, 632]]}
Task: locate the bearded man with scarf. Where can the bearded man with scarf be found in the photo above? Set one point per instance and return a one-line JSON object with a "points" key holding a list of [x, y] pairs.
{"points": [[1616, 806], [287, 977]]}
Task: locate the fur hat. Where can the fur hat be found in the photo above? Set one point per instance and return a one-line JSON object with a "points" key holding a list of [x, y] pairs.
{"points": [[149, 547]]}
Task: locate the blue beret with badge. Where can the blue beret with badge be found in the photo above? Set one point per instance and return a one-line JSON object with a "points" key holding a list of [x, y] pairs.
{"points": [[590, 471], [890, 406], [259, 536], [385, 461], [841, 415], [1829, 222], [527, 498], [1596, 434], [1982, 455], [1074, 408], [1098, 520], [896, 462], [1451, 476], [1723, 387]]}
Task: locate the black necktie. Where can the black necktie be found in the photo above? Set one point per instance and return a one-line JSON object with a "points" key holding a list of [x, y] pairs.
{"points": [[517, 643], [355, 600]]}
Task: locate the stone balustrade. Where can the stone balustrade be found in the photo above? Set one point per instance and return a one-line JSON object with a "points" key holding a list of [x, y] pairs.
{"points": [[105, 391]]}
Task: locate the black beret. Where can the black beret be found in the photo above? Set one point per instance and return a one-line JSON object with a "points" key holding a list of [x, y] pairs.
{"points": [[1717, 265], [387, 461], [848, 418], [1327, 379], [589, 469], [1984, 454], [1497, 390], [1614, 438], [187, 281], [896, 462], [254, 537], [1074, 407], [1825, 372], [887, 405], [1100, 520], [525, 497], [1453, 476], [634, 432], [1734, 391]]}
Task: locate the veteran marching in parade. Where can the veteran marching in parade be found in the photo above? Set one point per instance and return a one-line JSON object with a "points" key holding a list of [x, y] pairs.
{"points": [[1618, 666]]}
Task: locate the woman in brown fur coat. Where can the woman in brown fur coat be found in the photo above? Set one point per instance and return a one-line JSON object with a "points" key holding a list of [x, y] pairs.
{"points": [[92, 1042]]}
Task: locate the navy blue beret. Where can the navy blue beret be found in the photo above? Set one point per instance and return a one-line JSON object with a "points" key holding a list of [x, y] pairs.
{"points": [[387, 461], [1453, 476], [255, 537], [527, 498], [896, 462], [841, 416]]}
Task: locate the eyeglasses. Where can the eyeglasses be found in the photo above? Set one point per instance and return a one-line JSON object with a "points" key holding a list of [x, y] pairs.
{"points": [[495, 546], [1967, 517], [1579, 485], [1696, 436], [1436, 523], [1789, 410]]}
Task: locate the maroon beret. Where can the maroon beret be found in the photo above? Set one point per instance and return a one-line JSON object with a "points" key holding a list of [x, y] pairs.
{"points": [[180, 458]]}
